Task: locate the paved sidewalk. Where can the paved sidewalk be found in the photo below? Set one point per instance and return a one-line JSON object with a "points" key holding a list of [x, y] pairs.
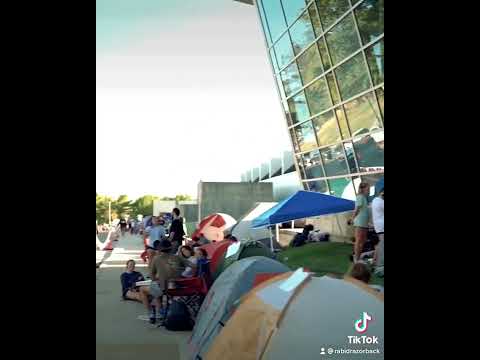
{"points": [[120, 335]]}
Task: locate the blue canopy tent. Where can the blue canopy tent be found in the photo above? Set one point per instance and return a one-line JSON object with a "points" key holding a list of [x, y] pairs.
{"points": [[301, 205]]}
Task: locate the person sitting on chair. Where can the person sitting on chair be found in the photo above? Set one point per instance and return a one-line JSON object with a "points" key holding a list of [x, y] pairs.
{"points": [[301, 239]]}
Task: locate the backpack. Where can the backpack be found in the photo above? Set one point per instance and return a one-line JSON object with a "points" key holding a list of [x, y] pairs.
{"points": [[178, 317]]}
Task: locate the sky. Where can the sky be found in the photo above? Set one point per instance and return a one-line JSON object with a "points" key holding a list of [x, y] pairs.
{"points": [[184, 92]]}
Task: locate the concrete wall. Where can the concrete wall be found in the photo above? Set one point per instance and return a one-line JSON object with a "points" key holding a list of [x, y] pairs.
{"points": [[234, 199]]}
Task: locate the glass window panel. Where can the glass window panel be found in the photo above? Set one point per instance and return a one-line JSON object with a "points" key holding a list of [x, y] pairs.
{"points": [[380, 98], [294, 140], [362, 114], [313, 165], [342, 122], [342, 187], [326, 128], [274, 60], [350, 156], [370, 19], [306, 136], [318, 186], [298, 108], [302, 33], [352, 77], [292, 9], [372, 179], [280, 86], [333, 88], [334, 160], [324, 54], [318, 96], [331, 10], [291, 79], [310, 64], [342, 40], [284, 51], [301, 167], [375, 58], [266, 31], [317, 26], [369, 149], [275, 19]]}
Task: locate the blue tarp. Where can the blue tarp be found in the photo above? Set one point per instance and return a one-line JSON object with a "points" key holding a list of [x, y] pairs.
{"points": [[301, 205]]}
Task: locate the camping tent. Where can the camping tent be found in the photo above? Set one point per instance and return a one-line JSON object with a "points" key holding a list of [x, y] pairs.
{"points": [[212, 227], [223, 297], [303, 204], [303, 322], [244, 250], [243, 231]]}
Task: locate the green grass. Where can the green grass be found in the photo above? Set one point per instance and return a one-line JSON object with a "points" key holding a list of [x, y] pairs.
{"points": [[322, 258]]}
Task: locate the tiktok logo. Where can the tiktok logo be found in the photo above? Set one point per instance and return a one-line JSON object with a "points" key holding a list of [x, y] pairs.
{"points": [[361, 325]]}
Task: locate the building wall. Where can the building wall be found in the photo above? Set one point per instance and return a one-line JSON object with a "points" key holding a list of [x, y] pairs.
{"points": [[284, 185], [234, 199], [327, 58]]}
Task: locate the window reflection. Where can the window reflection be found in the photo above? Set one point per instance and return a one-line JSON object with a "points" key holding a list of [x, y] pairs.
{"points": [[301, 166], [369, 16], [318, 96], [350, 153], [323, 53], [342, 40], [298, 108], [334, 160], [291, 79], [274, 60], [369, 149], [265, 26], [317, 26], [313, 165], [284, 51], [275, 18], [333, 88], [309, 64], [326, 128], [362, 114], [294, 141], [375, 57], [293, 8], [352, 77], [342, 187], [381, 101], [302, 33], [331, 10], [306, 136], [319, 186], [342, 122]]}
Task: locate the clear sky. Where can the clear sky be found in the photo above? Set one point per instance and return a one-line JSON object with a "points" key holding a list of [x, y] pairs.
{"points": [[184, 92]]}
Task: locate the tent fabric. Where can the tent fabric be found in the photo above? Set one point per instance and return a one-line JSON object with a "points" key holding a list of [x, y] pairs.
{"points": [[320, 314], [243, 230], [216, 252], [212, 226], [301, 205], [247, 249], [223, 297]]}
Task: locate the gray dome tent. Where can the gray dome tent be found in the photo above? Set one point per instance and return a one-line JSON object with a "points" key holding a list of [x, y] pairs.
{"points": [[304, 322], [223, 297]]}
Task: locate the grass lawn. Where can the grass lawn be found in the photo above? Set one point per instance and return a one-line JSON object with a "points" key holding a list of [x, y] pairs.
{"points": [[322, 258]]}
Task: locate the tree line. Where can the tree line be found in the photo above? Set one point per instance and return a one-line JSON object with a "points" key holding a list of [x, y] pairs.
{"points": [[122, 206]]}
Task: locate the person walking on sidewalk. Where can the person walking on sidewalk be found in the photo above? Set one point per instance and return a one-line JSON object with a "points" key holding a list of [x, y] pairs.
{"points": [[360, 220]]}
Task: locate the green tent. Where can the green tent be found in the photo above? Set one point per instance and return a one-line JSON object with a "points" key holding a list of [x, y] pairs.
{"points": [[247, 249]]}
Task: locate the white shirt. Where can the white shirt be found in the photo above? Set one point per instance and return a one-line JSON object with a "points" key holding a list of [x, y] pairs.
{"points": [[377, 214]]}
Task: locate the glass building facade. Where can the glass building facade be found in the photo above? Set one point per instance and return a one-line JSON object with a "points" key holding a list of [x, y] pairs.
{"points": [[327, 58]]}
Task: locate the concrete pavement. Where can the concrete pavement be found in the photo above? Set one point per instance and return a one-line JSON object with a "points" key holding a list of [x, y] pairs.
{"points": [[120, 335]]}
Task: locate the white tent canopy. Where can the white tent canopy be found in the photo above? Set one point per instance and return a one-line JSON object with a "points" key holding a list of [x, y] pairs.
{"points": [[243, 231]]}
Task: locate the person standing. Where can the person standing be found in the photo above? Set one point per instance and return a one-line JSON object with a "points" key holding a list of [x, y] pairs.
{"points": [[176, 230], [378, 223], [360, 220], [156, 233]]}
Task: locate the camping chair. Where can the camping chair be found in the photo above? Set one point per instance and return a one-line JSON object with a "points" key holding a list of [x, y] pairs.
{"points": [[191, 291]]}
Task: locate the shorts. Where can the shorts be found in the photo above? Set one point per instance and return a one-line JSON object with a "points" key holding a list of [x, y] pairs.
{"points": [[155, 290]]}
